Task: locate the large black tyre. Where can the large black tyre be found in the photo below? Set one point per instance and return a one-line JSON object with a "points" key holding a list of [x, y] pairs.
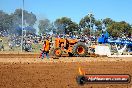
{"points": [[81, 80], [57, 52], [80, 49]]}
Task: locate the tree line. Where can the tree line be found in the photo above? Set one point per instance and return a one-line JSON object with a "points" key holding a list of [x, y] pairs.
{"points": [[88, 25], [11, 23]]}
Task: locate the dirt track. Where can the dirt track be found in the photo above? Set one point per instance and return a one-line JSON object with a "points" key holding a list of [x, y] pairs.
{"points": [[59, 73]]}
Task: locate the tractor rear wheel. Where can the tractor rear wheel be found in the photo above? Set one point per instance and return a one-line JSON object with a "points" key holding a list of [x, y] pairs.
{"points": [[57, 52], [80, 49]]}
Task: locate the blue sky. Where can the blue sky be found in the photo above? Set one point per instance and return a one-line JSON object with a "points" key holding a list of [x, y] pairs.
{"points": [[118, 10]]}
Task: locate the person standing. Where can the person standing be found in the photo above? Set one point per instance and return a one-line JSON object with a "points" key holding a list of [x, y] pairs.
{"points": [[46, 48]]}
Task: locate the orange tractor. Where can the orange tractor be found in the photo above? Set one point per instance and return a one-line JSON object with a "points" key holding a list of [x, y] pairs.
{"points": [[73, 47]]}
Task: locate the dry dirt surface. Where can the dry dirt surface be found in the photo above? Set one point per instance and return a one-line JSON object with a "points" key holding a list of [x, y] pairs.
{"points": [[59, 73]]}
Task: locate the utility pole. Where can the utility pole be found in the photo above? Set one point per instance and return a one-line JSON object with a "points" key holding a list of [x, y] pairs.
{"points": [[101, 26], [22, 26], [90, 15]]}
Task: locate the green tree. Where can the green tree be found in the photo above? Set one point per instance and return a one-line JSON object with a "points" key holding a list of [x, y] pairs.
{"points": [[72, 27], [98, 25], [119, 29], [86, 31], [5, 21], [29, 19], [130, 31], [44, 26], [65, 25], [87, 21], [107, 21], [97, 32], [85, 24]]}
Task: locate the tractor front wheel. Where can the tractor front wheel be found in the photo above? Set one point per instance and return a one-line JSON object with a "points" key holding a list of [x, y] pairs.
{"points": [[57, 52]]}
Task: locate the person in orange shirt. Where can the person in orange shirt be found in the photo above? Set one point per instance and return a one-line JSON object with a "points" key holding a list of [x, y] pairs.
{"points": [[46, 48]]}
